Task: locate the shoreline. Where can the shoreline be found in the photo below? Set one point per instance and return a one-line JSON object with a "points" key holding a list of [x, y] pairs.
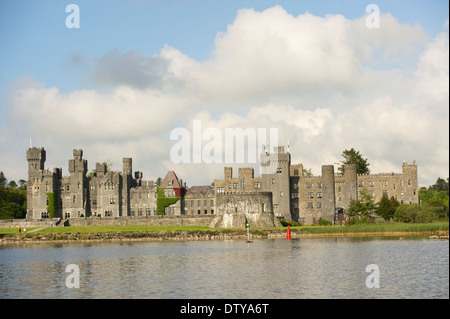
{"points": [[199, 235]]}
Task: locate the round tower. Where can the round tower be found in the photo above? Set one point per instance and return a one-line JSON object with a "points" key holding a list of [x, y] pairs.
{"points": [[350, 179], [328, 195]]}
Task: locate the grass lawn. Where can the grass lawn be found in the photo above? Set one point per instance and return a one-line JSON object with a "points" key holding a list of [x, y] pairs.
{"points": [[378, 227]]}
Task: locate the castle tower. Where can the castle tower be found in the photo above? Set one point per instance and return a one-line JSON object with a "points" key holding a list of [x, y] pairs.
{"points": [[275, 179], [127, 182], [36, 158], [75, 188], [127, 166], [228, 172], [350, 179], [410, 183], [328, 195], [41, 183]]}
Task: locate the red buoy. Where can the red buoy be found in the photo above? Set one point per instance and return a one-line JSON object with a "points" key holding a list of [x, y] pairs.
{"points": [[288, 236]]}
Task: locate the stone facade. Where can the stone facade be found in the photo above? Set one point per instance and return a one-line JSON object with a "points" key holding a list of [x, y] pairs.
{"points": [[104, 194], [282, 192], [307, 199]]}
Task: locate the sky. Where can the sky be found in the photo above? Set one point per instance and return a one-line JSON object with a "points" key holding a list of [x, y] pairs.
{"points": [[134, 71]]}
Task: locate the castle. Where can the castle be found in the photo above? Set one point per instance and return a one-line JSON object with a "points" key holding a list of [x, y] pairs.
{"points": [[282, 190]]}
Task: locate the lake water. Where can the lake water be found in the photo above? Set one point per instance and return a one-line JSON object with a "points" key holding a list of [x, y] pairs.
{"points": [[264, 269]]}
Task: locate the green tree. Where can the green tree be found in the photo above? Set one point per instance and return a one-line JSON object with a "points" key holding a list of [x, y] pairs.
{"points": [[3, 180], [414, 213], [158, 181], [386, 207], [22, 184], [12, 184], [353, 156], [440, 185], [363, 207]]}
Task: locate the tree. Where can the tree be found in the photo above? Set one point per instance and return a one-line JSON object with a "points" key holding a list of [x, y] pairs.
{"points": [[158, 181], [12, 184], [440, 185], [414, 213], [363, 207], [353, 156], [307, 172], [3, 180], [22, 184], [386, 207]]}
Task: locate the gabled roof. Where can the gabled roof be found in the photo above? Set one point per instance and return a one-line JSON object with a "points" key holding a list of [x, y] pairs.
{"points": [[200, 190], [170, 176]]}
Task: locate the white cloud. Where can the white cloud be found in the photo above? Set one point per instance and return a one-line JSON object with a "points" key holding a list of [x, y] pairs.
{"points": [[327, 84]]}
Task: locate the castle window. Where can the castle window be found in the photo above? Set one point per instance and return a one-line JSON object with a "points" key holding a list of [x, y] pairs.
{"points": [[281, 194], [112, 200], [94, 203], [242, 183], [198, 212], [169, 183], [199, 203], [67, 188], [206, 211], [309, 205], [257, 185], [409, 182], [310, 195], [385, 193], [308, 185], [319, 204], [296, 172], [212, 211], [74, 199], [339, 188], [273, 180], [319, 194], [235, 185], [139, 211], [220, 190], [229, 185], [401, 182], [279, 170], [319, 185]]}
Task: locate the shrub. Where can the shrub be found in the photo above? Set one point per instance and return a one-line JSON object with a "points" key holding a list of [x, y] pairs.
{"points": [[287, 222], [414, 213]]}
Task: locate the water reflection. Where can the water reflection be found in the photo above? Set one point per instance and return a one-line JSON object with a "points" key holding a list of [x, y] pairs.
{"points": [[298, 268]]}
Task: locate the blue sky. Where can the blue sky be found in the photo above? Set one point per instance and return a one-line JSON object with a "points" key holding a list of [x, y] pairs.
{"points": [[35, 40], [177, 55]]}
